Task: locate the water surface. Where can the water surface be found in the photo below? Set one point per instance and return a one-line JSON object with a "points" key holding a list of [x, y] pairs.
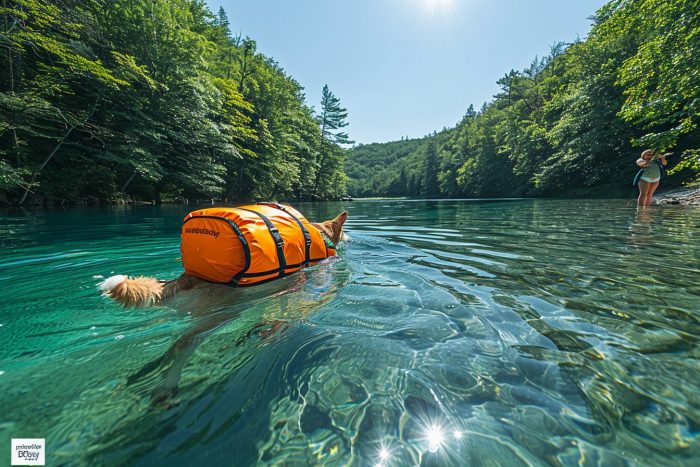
{"points": [[447, 333]]}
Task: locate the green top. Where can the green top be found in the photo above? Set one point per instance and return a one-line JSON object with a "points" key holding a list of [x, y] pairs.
{"points": [[653, 171]]}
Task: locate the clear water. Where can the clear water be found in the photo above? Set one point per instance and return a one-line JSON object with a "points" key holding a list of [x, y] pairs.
{"points": [[448, 333]]}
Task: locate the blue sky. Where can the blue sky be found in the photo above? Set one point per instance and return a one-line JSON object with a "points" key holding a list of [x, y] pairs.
{"points": [[405, 67]]}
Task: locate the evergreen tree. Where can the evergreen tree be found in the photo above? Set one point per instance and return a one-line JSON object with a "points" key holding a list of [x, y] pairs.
{"points": [[332, 120], [223, 20], [570, 122]]}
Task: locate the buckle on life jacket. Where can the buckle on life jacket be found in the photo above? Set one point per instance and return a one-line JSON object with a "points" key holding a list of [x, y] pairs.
{"points": [[279, 241]]}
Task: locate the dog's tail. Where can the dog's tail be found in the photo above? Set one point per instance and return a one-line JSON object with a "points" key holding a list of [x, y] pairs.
{"points": [[139, 291], [144, 291]]}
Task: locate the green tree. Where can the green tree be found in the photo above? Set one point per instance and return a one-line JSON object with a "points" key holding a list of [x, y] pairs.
{"points": [[431, 165], [659, 78], [151, 98], [332, 119]]}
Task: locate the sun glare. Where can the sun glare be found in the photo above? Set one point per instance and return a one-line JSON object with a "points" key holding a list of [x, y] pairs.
{"points": [[434, 7], [435, 438], [439, 3]]}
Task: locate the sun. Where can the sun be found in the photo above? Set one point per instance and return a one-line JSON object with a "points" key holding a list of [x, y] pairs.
{"points": [[433, 7]]}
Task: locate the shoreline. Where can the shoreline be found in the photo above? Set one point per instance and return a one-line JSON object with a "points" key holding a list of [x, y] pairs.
{"points": [[686, 196]]}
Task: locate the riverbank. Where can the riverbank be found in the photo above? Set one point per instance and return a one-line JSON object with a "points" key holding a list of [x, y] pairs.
{"points": [[684, 196]]}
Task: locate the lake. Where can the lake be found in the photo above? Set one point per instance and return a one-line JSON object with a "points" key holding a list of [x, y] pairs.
{"points": [[512, 332]]}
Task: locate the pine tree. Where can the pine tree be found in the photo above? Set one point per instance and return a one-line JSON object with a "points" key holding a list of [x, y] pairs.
{"points": [[223, 20], [332, 120]]}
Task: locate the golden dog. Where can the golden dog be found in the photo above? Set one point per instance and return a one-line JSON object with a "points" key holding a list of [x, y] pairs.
{"points": [[144, 291]]}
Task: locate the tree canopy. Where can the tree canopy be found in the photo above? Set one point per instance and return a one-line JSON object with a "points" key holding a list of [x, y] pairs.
{"points": [[151, 99]]}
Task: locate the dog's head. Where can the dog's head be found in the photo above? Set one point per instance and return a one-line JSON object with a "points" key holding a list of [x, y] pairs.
{"points": [[334, 228]]}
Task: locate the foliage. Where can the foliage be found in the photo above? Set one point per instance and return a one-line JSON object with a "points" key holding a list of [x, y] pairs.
{"points": [[157, 99], [572, 122], [152, 99]]}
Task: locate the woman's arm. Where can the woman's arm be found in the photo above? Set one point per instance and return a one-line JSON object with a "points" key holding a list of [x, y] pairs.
{"points": [[642, 163]]}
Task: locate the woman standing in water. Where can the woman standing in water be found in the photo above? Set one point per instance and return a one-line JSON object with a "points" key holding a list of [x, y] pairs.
{"points": [[651, 173]]}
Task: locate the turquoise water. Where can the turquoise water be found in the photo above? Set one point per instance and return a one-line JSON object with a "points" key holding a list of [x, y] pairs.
{"points": [[447, 333]]}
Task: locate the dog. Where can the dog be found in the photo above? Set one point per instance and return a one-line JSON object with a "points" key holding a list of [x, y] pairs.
{"points": [[202, 237], [132, 292]]}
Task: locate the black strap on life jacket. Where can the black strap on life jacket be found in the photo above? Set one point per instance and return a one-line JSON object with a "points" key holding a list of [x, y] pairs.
{"points": [[241, 238], [279, 241], [246, 249], [304, 231]]}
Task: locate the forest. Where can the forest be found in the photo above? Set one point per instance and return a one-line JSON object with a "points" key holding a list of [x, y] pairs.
{"points": [[154, 100], [570, 124]]}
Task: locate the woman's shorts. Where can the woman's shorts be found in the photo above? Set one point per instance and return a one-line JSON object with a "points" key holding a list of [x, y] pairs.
{"points": [[650, 180]]}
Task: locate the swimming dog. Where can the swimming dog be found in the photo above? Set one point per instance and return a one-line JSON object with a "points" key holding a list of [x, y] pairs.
{"points": [[232, 246], [252, 232]]}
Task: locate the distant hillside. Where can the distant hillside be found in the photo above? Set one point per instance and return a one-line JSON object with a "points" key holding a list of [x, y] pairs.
{"points": [[396, 168], [373, 168]]}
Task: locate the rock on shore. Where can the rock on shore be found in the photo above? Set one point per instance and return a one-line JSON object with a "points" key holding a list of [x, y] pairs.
{"points": [[685, 196]]}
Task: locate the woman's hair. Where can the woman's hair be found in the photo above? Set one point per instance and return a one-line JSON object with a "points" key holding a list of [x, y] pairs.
{"points": [[647, 152]]}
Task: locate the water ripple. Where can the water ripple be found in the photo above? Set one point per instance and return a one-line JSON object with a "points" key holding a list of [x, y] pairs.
{"points": [[448, 333]]}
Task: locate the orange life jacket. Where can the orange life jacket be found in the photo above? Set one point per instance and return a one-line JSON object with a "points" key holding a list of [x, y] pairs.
{"points": [[248, 245]]}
